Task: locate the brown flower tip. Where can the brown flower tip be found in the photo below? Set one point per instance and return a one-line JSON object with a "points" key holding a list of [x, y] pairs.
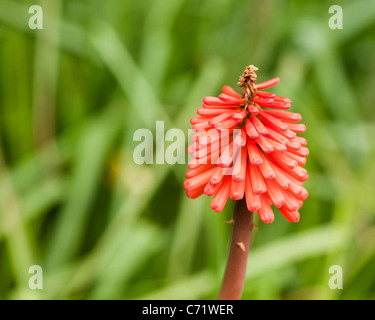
{"points": [[247, 83]]}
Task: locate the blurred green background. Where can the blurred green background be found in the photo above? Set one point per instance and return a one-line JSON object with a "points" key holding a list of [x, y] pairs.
{"points": [[73, 201]]}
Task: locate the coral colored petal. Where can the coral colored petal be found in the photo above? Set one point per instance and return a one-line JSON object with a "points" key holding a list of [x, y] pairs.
{"points": [[253, 109], [282, 99], [239, 116], [210, 158], [257, 182], [302, 141], [241, 138], [212, 136], [198, 170], [192, 165], [195, 163], [263, 102], [229, 99], [252, 200], [302, 152], [298, 191], [265, 94], [192, 148], [218, 175], [220, 106], [265, 212], [201, 126], [276, 145], [281, 179], [264, 144], [227, 124], [193, 194], [199, 134], [297, 127], [250, 129], [237, 190], [199, 180], [300, 174], [227, 156], [214, 101], [204, 151], [278, 105], [239, 168], [213, 112], [286, 133], [291, 216], [303, 194], [195, 120], [219, 118], [258, 125], [274, 121], [277, 136], [293, 146], [222, 195], [269, 83], [300, 160], [275, 193], [231, 92], [210, 189], [254, 153], [284, 115], [266, 169], [211, 149], [291, 202], [283, 159]]}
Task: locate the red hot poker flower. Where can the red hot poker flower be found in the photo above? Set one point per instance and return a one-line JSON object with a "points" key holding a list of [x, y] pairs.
{"points": [[260, 146]]}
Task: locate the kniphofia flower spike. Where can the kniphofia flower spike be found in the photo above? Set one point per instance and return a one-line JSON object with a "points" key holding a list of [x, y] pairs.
{"points": [[257, 138]]}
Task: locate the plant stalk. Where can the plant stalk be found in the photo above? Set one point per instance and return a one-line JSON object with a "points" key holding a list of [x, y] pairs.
{"points": [[235, 271]]}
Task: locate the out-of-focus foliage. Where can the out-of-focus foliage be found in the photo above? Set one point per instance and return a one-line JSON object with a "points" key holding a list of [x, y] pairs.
{"points": [[73, 201]]}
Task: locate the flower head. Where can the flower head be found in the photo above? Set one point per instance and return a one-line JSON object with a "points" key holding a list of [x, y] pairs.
{"points": [[243, 148]]}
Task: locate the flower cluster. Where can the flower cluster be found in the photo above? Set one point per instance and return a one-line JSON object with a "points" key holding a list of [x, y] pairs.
{"points": [[247, 146]]}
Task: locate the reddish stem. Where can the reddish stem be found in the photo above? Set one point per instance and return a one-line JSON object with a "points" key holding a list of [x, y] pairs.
{"points": [[235, 272]]}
